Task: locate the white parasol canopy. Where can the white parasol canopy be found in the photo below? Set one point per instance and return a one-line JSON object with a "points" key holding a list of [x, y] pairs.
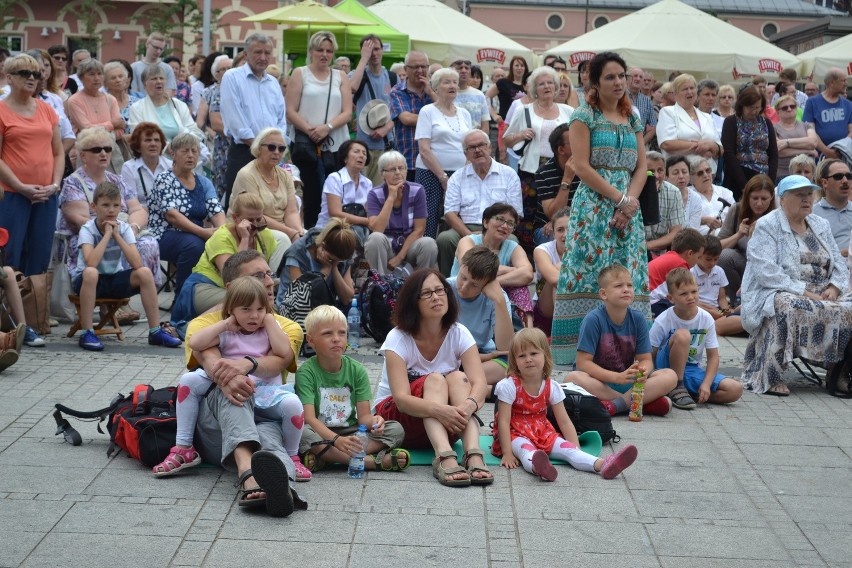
{"points": [[446, 35], [837, 53], [671, 35]]}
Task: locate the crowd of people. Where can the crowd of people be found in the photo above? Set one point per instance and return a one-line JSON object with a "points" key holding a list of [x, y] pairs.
{"points": [[513, 206]]}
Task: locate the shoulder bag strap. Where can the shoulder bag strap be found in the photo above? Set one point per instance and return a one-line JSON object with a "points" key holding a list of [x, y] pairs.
{"points": [[142, 181], [90, 194]]}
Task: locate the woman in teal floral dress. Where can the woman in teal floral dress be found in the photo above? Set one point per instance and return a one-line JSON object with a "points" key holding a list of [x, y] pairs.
{"points": [[605, 226]]}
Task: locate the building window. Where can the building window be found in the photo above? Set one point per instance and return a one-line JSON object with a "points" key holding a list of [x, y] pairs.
{"points": [[232, 50], [14, 43], [600, 22], [554, 22], [769, 29]]}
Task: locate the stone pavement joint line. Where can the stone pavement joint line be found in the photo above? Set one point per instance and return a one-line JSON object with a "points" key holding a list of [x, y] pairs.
{"points": [[760, 483]]}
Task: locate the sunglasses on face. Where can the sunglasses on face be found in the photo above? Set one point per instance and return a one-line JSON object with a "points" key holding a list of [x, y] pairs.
{"points": [[98, 149], [274, 147], [60, 58], [788, 107], [26, 74], [838, 177], [461, 62]]}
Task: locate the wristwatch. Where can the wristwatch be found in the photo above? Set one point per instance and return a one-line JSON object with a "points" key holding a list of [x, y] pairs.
{"points": [[253, 364], [330, 127], [445, 177], [564, 185]]}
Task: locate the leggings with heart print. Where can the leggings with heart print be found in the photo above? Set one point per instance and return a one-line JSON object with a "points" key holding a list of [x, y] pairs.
{"points": [[523, 449], [192, 388]]}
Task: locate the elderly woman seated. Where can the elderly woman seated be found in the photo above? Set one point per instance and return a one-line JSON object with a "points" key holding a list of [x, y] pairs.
{"points": [[396, 213], [185, 211], [796, 300], [274, 186], [205, 287]]}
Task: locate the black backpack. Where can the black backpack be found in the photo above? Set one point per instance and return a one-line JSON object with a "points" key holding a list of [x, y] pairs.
{"points": [[586, 413], [304, 294], [377, 301], [143, 423]]}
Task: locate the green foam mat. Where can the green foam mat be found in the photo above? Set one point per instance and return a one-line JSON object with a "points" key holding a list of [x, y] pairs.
{"points": [[590, 442]]}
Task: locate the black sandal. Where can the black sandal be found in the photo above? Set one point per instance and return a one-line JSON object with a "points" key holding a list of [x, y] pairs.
{"points": [[243, 493]]}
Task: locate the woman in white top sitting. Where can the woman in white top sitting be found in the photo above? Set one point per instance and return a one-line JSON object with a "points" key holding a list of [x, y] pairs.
{"points": [[347, 189], [421, 385], [147, 143], [715, 199], [440, 131], [548, 262], [532, 126]]}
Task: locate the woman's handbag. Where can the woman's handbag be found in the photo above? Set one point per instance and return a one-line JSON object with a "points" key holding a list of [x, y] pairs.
{"points": [[649, 201], [60, 306], [35, 294], [315, 154], [521, 147]]}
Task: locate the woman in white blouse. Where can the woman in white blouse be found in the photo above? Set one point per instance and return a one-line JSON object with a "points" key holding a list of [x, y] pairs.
{"points": [[683, 129], [440, 131], [147, 143], [347, 188]]}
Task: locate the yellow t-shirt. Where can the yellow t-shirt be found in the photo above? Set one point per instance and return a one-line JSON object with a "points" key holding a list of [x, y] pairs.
{"points": [[224, 242], [291, 328]]}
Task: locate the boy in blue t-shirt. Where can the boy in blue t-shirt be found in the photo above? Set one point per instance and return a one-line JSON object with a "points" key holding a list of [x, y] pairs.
{"points": [[614, 348], [105, 245], [484, 309]]}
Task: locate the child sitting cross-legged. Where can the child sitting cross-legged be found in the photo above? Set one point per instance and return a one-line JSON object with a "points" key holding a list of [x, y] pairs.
{"points": [[522, 425], [681, 335], [335, 391], [248, 329], [105, 245], [614, 349]]}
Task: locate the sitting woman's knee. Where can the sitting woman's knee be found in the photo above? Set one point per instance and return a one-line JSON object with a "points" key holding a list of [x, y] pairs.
{"points": [[457, 377]]}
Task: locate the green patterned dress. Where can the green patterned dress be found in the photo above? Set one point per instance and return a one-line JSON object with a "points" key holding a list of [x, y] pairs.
{"points": [[592, 244]]}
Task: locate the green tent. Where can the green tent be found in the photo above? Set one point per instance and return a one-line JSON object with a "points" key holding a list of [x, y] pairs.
{"points": [[348, 38]]}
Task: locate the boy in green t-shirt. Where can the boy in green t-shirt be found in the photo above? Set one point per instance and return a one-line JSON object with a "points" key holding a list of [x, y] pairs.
{"points": [[335, 392]]}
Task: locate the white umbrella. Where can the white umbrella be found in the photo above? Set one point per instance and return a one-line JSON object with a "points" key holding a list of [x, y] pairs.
{"points": [[672, 35], [446, 35], [837, 53]]}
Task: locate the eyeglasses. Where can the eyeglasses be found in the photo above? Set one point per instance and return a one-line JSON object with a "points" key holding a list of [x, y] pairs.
{"points": [[26, 74], [274, 147], [461, 62], [395, 170], [59, 58], [417, 67], [838, 177], [426, 294], [707, 172], [98, 149], [787, 107], [507, 222], [262, 275], [477, 147]]}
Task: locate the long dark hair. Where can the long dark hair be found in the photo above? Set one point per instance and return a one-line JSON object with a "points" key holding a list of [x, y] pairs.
{"points": [[596, 67], [526, 71], [760, 182], [406, 316], [748, 97], [206, 76]]}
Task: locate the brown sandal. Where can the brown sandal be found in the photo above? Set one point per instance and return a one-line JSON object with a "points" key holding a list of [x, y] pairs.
{"points": [[441, 474], [473, 469]]}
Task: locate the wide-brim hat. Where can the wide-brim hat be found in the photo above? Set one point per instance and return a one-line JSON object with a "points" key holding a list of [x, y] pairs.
{"points": [[375, 114]]}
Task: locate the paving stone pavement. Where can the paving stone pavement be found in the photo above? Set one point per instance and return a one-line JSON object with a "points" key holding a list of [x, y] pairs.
{"points": [[763, 482]]}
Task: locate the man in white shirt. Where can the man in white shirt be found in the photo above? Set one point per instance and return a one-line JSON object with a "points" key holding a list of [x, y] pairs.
{"points": [[154, 47], [251, 101], [470, 191]]}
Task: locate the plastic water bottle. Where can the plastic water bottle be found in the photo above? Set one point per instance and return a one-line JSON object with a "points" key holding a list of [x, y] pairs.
{"points": [[356, 462], [636, 396], [354, 320]]}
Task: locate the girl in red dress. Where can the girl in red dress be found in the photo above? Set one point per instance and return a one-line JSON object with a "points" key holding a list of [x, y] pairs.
{"points": [[521, 421]]}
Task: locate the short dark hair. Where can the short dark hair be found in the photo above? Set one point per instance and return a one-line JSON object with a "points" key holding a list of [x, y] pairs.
{"points": [[171, 58], [368, 37], [497, 209], [676, 159], [748, 97], [231, 268], [344, 151], [482, 263], [106, 190], [688, 240], [406, 316], [555, 138], [59, 48], [712, 246]]}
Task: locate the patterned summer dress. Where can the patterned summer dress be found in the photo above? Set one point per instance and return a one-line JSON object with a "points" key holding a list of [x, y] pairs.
{"points": [[221, 143], [817, 331], [592, 244]]}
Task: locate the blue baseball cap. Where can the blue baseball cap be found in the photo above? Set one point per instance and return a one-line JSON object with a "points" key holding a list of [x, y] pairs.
{"points": [[790, 183]]}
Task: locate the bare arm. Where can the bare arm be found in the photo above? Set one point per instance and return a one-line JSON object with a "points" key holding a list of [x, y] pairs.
{"points": [[208, 337], [454, 221], [522, 274], [76, 214], [665, 240], [548, 270], [425, 148]]}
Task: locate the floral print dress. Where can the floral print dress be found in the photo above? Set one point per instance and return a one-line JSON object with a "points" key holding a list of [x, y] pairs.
{"points": [[221, 143], [592, 244]]}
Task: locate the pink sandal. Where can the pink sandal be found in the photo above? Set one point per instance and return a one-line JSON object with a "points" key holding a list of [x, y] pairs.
{"points": [[614, 464], [178, 460], [302, 472]]}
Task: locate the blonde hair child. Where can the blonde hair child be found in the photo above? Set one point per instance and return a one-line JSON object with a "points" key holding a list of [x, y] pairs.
{"points": [[521, 422]]}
